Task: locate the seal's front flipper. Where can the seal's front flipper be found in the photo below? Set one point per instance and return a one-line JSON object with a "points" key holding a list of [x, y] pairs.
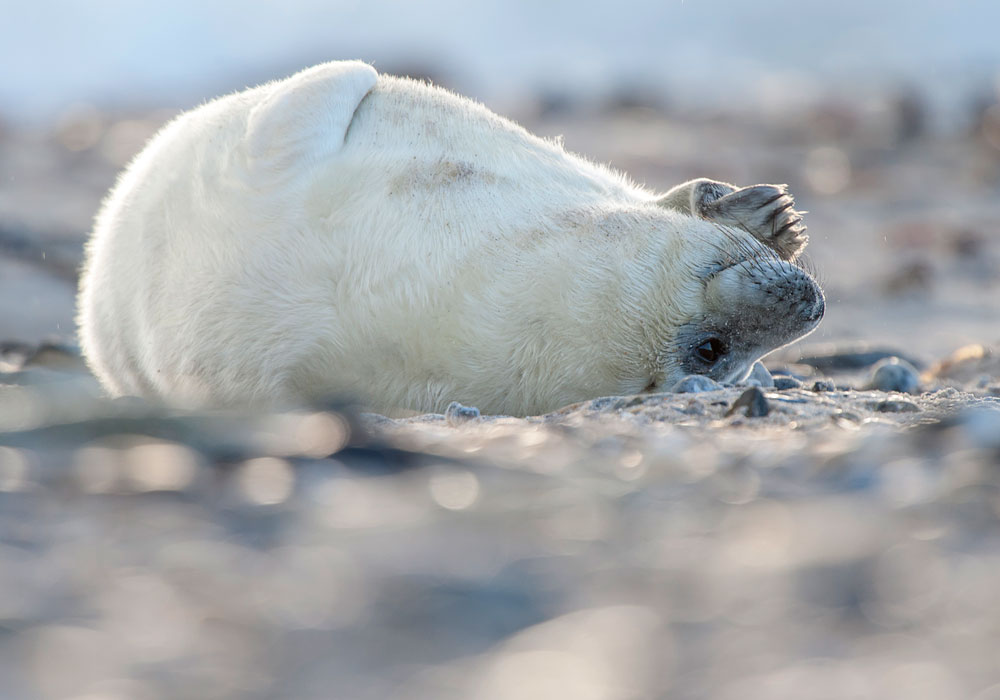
{"points": [[766, 211], [306, 117]]}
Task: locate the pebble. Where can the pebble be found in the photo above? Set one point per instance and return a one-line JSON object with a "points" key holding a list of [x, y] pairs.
{"points": [[896, 406], [785, 383], [754, 401], [759, 376], [894, 374], [848, 360], [607, 403], [847, 415], [695, 384], [824, 385], [694, 408], [456, 413]]}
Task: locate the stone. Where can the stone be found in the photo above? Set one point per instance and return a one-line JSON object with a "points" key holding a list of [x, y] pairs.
{"points": [[896, 406], [754, 401], [785, 383], [607, 403], [895, 374], [456, 413], [695, 384]]}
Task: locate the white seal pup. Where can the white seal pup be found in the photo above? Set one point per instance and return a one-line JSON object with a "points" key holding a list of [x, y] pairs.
{"points": [[346, 232]]}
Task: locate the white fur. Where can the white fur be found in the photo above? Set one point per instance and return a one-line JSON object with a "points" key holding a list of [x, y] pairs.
{"points": [[253, 254]]}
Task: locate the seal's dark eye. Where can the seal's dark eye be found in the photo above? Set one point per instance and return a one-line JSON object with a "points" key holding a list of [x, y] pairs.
{"points": [[710, 351]]}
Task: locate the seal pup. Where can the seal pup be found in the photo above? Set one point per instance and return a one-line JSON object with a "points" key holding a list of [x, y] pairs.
{"points": [[342, 231]]}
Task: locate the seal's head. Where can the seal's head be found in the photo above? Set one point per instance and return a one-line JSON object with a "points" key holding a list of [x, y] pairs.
{"points": [[742, 301]]}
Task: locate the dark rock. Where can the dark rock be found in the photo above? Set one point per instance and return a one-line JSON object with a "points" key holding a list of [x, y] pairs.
{"points": [[896, 406], [605, 403], [824, 385], [694, 408], [894, 374], [753, 400], [853, 360], [785, 383], [695, 384], [457, 414]]}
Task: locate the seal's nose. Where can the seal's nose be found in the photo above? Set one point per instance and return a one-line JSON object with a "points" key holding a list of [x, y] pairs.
{"points": [[819, 308], [769, 302], [794, 301], [813, 304]]}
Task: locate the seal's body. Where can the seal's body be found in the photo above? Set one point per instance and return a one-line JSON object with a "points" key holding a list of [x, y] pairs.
{"points": [[344, 232]]}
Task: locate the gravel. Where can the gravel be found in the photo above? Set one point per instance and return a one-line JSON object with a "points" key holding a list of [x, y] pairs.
{"points": [[649, 546]]}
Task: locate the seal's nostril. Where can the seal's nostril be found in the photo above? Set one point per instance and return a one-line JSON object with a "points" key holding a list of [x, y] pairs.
{"points": [[817, 304], [821, 307]]}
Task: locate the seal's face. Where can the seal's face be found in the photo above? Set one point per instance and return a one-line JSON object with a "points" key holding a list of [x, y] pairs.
{"points": [[750, 302]]}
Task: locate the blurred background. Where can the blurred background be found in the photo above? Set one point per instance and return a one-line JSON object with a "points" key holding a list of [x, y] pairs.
{"points": [[666, 551]]}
